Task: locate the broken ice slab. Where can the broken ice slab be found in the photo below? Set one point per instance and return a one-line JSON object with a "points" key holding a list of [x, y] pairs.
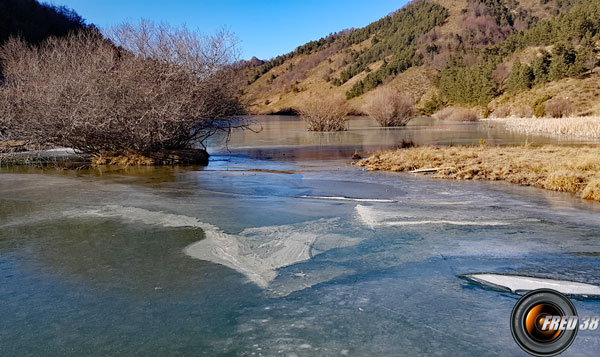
{"points": [[520, 284]]}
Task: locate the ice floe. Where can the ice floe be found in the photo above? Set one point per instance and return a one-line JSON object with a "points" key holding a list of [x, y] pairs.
{"points": [[254, 252], [517, 283], [342, 198], [372, 218]]}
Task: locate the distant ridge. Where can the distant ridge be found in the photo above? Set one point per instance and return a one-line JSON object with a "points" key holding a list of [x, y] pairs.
{"points": [[471, 53]]}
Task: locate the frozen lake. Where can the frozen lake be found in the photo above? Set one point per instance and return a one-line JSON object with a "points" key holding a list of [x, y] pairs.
{"points": [[260, 254]]}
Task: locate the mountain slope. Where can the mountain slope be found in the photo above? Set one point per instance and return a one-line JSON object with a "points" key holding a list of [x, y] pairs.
{"points": [[442, 52], [34, 22]]}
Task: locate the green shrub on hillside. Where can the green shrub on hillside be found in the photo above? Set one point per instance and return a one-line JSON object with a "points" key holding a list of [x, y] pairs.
{"points": [[539, 107]]}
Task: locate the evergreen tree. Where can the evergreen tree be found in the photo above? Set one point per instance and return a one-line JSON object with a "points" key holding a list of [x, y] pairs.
{"points": [[586, 57], [541, 67], [563, 59], [472, 85], [521, 78]]}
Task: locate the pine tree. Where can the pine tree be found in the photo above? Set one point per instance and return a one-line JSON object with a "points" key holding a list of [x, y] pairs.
{"points": [[467, 85], [586, 57], [521, 78], [541, 67], [563, 59]]}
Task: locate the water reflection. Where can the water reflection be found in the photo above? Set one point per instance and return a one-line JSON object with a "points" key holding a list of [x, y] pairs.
{"points": [[285, 138]]}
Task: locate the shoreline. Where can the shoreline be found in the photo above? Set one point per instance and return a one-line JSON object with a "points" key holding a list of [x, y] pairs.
{"points": [[556, 168], [70, 157]]}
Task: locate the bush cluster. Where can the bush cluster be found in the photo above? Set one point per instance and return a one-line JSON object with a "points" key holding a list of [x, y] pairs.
{"points": [[324, 114], [389, 107], [456, 114], [172, 90]]}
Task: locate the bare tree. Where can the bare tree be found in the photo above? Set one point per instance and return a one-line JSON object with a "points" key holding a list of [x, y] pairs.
{"points": [[389, 107], [160, 88], [178, 46]]}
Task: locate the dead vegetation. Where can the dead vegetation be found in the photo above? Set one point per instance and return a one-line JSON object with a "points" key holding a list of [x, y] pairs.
{"points": [[324, 114], [161, 89], [556, 168], [122, 159], [456, 114], [165, 157], [581, 92], [389, 107], [559, 107], [577, 127]]}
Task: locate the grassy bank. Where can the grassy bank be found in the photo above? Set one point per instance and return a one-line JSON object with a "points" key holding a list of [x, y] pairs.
{"points": [[556, 168]]}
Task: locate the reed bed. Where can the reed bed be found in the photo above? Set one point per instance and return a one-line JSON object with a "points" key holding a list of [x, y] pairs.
{"points": [[583, 127]]}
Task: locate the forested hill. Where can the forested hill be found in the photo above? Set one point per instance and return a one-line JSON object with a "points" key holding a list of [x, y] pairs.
{"points": [[496, 55], [35, 22]]}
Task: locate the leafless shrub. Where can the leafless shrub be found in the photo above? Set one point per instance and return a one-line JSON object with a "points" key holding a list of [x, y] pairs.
{"points": [[439, 61], [523, 112], [559, 107], [501, 73], [480, 27], [163, 88], [202, 55], [520, 25], [501, 112], [456, 114], [389, 107], [436, 48], [324, 114]]}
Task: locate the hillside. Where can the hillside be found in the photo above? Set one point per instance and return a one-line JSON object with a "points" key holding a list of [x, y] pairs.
{"points": [[493, 55], [34, 21]]}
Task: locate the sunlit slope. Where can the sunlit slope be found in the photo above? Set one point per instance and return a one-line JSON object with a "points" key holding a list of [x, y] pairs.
{"points": [[441, 52]]}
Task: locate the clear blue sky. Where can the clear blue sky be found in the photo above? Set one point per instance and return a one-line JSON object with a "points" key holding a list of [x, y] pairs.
{"points": [[266, 28]]}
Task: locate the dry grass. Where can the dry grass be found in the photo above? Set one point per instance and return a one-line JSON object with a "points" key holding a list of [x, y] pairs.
{"points": [[188, 156], [583, 127], [455, 7], [416, 81], [127, 159], [583, 93], [592, 190], [556, 168], [12, 146], [312, 83]]}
